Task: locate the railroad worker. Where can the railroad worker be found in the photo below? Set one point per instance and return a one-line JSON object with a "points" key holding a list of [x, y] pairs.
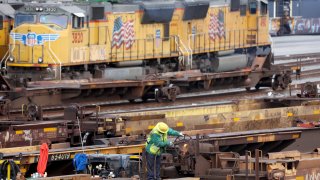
{"points": [[155, 146]]}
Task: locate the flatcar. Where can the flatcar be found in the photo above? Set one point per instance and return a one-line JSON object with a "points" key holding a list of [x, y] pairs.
{"points": [[135, 39]]}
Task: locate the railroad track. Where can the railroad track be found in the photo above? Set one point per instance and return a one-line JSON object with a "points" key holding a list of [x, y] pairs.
{"points": [[296, 56]]}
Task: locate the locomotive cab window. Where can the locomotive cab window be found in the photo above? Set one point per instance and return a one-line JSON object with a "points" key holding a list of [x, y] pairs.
{"points": [[243, 10], [54, 20], [78, 20], [25, 18], [253, 7], [1, 22], [235, 5], [264, 8], [166, 31]]}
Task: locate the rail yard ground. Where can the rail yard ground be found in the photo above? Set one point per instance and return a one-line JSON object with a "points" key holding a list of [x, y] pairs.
{"points": [[235, 133]]}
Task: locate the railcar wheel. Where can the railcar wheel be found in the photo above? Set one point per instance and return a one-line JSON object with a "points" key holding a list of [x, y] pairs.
{"points": [[275, 82], [285, 81], [132, 100], [144, 99], [183, 145]]}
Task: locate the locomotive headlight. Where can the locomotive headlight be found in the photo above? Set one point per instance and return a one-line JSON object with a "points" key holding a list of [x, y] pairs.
{"points": [[40, 9], [278, 174], [40, 60], [37, 8], [11, 59]]}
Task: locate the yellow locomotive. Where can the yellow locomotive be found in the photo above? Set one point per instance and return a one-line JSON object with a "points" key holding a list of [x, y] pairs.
{"points": [[128, 40], [6, 23]]}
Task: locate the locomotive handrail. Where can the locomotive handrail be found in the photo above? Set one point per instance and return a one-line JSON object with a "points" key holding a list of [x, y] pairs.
{"points": [[50, 50], [178, 45], [184, 50], [50, 55], [5, 57]]}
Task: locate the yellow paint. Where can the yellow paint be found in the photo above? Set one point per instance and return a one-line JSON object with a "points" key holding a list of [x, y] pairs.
{"points": [[51, 129], [299, 178], [179, 124], [266, 138], [295, 68], [316, 112], [128, 130], [23, 169], [295, 136], [249, 138], [17, 162], [213, 121], [236, 119], [289, 114], [135, 157], [257, 117], [8, 171], [19, 132], [27, 65], [4, 35], [151, 127]]}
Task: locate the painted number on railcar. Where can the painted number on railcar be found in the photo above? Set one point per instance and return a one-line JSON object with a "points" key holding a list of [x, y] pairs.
{"points": [[60, 156], [77, 37]]}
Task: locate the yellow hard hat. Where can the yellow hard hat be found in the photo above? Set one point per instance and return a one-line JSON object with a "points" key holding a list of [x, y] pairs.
{"points": [[162, 127]]}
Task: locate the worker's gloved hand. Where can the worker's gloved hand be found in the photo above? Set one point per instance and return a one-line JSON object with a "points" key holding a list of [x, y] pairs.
{"points": [[181, 134], [170, 143]]}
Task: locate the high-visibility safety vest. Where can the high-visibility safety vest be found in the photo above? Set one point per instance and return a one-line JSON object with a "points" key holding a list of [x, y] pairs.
{"points": [[151, 146]]}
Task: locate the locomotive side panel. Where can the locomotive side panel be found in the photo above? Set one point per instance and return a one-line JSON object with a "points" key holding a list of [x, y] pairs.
{"points": [[5, 27]]}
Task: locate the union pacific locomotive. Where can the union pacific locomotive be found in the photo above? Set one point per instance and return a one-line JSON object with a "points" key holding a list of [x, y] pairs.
{"points": [[7, 10], [128, 40]]}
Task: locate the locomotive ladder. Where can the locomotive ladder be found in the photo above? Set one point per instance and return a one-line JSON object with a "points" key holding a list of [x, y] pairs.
{"points": [[185, 53], [5, 59]]}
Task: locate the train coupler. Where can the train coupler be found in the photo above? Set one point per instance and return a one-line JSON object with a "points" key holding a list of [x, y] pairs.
{"points": [[167, 93]]}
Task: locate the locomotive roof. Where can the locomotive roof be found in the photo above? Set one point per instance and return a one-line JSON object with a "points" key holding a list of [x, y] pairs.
{"points": [[124, 6], [7, 10], [72, 9]]}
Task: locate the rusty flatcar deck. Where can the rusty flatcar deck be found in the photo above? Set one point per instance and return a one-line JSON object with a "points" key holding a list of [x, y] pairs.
{"points": [[220, 140], [159, 86]]}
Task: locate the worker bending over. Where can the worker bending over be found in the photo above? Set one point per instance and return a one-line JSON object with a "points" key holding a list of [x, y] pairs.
{"points": [[155, 146]]}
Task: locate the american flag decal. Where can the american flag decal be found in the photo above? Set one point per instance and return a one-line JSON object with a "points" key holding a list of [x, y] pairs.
{"points": [[216, 25], [123, 33]]}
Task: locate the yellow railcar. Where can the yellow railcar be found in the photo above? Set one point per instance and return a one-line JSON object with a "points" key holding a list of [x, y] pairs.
{"points": [[132, 39]]}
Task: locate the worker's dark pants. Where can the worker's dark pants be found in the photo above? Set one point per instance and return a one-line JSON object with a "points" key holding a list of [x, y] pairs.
{"points": [[153, 163]]}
